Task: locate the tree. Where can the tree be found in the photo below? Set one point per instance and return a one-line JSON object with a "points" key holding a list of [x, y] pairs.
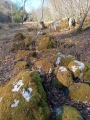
{"points": [[22, 11], [42, 10], [83, 18]]}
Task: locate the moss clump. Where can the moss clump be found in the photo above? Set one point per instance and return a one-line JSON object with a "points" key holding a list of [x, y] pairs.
{"points": [[18, 46], [87, 64], [42, 103], [87, 21], [63, 25], [21, 65], [21, 54], [66, 60], [50, 54], [64, 76], [21, 43], [25, 110], [80, 92], [87, 76], [46, 42], [69, 113], [18, 37], [44, 65], [28, 41]]}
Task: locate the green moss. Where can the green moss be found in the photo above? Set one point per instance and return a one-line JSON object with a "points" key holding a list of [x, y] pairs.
{"points": [[31, 110], [22, 54], [87, 76], [42, 103], [65, 77], [46, 42], [62, 25], [66, 60], [80, 92], [69, 113], [44, 65], [17, 46], [87, 64], [21, 64], [28, 41], [18, 37]]}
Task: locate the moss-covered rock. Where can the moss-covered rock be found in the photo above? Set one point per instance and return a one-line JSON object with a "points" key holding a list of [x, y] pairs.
{"points": [[21, 65], [23, 98], [20, 42], [80, 92], [18, 46], [64, 76], [18, 37], [87, 76], [68, 113], [50, 54], [78, 68], [63, 25], [64, 60], [22, 54], [28, 41], [46, 42], [44, 65]]}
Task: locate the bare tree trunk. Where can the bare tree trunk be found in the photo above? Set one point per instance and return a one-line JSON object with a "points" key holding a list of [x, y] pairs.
{"points": [[42, 10], [24, 2], [82, 20]]}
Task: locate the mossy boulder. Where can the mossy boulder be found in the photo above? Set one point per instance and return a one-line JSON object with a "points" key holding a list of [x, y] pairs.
{"points": [[23, 98], [50, 54], [18, 37], [21, 54], [68, 113], [87, 76], [78, 68], [17, 46], [44, 65], [63, 25], [21, 65], [64, 76], [64, 60], [46, 42], [80, 92], [28, 41], [20, 42]]}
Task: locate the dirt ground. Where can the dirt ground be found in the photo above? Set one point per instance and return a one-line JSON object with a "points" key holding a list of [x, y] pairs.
{"points": [[79, 45]]}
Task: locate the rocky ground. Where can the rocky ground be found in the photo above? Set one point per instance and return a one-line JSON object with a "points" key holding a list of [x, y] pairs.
{"points": [[74, 44]]}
